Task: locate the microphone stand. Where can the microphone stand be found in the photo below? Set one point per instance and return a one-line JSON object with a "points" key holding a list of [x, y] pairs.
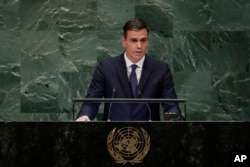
{"points": [[113, 94], [149, 110]]}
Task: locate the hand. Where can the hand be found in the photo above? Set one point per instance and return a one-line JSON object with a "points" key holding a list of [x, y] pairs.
{"points": [[83, 119]]}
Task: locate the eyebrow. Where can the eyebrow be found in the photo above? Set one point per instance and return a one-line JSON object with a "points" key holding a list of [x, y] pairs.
{"points": [[136, 39]]}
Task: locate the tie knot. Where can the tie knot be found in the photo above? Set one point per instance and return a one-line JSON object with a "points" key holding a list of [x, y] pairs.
{"points": [[134, 66]]}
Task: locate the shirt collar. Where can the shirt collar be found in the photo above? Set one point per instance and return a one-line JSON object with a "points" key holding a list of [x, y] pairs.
{"points": [[129, 63]]}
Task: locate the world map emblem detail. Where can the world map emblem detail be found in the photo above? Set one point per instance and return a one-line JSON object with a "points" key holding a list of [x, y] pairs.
{"points": [[128, 145]]}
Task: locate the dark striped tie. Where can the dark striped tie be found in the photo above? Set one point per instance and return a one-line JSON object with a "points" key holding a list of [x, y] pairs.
{"points": [[133, 80]]}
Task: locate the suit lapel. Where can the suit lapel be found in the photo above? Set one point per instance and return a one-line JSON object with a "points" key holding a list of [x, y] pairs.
{"points": [[146, 71], [121, 69]]}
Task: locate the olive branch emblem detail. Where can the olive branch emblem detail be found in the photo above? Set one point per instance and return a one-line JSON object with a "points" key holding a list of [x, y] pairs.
{"points": [[128, 145]]}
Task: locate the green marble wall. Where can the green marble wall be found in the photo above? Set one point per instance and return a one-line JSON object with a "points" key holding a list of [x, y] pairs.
{"points": [[49, 49]]}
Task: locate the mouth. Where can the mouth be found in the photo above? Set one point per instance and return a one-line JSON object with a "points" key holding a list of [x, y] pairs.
{"points": [[138, 52]]}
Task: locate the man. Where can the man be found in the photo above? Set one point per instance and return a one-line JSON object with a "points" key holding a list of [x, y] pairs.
{"points": [[133, 74]]}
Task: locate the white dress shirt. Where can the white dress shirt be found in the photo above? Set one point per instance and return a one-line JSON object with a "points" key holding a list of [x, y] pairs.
{"points": [[138, 70]]}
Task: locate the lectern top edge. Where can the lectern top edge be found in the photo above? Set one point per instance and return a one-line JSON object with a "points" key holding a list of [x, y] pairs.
{"points": [[126, 100]]}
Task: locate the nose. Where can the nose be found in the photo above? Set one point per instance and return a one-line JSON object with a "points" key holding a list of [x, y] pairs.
{"points": [[139, 44]]}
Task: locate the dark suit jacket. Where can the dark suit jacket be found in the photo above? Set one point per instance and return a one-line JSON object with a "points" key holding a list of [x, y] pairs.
{"points": [[155, 82]]}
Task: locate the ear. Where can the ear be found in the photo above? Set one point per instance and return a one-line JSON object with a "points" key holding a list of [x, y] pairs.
{"points": [[124, 42]]}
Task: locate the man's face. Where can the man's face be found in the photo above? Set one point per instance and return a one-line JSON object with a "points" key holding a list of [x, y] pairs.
{"points": [[135, 44]]}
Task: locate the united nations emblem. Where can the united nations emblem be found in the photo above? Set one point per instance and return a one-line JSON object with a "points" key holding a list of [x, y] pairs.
{"points": [[128, 145]]}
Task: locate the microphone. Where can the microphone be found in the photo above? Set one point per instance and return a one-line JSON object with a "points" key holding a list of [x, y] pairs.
{"points": [[173, 116], [113, 94], [170, 116], [149, 110]]}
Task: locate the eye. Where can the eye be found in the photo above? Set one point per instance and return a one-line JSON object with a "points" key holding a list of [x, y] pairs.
{"points": [[134, 40], [144, 40]]}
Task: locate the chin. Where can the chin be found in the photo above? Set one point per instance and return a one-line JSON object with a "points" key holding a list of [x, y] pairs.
{"points": [[138, 55]]}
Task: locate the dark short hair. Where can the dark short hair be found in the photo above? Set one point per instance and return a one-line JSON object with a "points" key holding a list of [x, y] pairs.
{"points": [[134, 24]]}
